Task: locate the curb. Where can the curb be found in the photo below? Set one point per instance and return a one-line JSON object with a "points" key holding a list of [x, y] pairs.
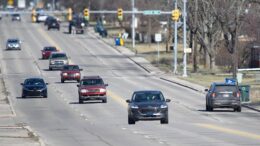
{"points": [[35, 135], [167, 80]]}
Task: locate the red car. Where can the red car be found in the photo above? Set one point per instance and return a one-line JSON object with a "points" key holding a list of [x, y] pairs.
{"points": [[92, 88], [70, 72], [46, 52]]}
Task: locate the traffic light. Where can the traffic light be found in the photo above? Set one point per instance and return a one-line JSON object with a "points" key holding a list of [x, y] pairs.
{"points": [[34, 15], [176, 14], [86, 14], [120, 14], [69, 16]]}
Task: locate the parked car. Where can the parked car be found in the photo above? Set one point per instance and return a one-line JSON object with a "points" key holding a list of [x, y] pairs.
{"points": [[34, 87], [16, 17], [92, 88], [70, 72], [148, 105], [46, 52], [53, 24], [13, 44], [57, 60], [223, 95]]}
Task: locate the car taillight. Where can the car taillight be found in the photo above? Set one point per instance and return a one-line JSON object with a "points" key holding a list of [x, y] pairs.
{"points": [[213, 95], [238, 94]]}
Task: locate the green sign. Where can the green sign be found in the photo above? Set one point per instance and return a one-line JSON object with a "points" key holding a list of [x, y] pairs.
{"points": [[152, 12]]}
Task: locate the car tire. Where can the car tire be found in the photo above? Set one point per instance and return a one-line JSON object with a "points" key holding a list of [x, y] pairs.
{"points": [[238, 109], [210, 108], [45, 96], [23, 96], [50, 68], [165, 120], [104, 100], [80, 100], [131, 121], [78, 81], [207, 108], [62, 81]]}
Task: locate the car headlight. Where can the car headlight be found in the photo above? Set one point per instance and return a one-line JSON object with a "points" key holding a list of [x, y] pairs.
{"points": [[65, 74], [134, 107], [77, 74], [9, 45], [82, 24], [163, 106], [52, 62], [65, 62], [102, 90], [83, 90]]}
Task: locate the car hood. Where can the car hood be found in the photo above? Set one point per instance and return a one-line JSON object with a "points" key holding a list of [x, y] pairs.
{"points": [[57, 59], [33, 87]]}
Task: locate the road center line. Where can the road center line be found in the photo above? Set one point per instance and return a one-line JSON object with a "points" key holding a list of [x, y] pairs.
{"points": [[229, 131]]}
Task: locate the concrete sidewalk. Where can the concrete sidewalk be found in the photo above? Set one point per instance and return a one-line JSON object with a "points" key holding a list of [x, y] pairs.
{"points": [[146, 65], [12, 133]]}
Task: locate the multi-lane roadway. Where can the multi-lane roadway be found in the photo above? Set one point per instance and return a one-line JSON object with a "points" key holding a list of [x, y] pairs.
{"points": [[60, 121]]}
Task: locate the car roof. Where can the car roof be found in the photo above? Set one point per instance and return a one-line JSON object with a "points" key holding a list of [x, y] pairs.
{"points": [[222, 84], [13, 39], [33, 78], [147, 91], [91, 77]]}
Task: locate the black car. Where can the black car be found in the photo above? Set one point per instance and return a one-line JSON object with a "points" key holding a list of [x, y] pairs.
{"points": [[16, 17], [34, 87], [147, 105], [53, 24], [77, 25], [48, 20], [223, 95]]}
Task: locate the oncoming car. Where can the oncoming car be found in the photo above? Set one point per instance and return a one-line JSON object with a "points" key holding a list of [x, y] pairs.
{"points": [[148, 105], [70, 72], [92, 88], [46, 52], [34, 87], [57, 60], [223, 95], [13, 44]]}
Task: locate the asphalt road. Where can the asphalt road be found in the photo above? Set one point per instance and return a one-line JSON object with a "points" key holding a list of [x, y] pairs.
{"points": [[60, 121]]}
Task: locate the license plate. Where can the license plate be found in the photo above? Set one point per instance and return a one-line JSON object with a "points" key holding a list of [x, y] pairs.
{"points": [[225, 95]]}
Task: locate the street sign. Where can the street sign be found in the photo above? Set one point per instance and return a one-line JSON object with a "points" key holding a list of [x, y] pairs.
{"points": [[152, 12], [158, 37]]}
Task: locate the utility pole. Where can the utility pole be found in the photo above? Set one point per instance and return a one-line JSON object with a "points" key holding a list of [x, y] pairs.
{"points": [[184, 39], [175, 55], [133, 24], [195, 38], [53, 5]]}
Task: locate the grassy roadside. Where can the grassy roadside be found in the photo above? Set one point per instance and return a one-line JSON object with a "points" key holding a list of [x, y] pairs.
{"points": [[203, 77]]}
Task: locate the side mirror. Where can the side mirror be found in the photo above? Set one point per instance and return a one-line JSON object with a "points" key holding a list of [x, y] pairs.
{"points": [[128, 101], [78, 85], [167, 100], [80, 69], [47, 83], [206, 90], [22, 84], [106, 84]]}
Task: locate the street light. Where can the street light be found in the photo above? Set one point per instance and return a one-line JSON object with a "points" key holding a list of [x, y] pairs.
{"points": [[184, 39]]}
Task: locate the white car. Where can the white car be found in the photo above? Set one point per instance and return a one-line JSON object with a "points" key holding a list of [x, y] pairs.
{"points": [[41, 17]]}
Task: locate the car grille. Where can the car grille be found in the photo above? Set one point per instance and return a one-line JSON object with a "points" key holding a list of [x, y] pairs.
{"points": [[149, 110], [59, 62], [94, 90]]}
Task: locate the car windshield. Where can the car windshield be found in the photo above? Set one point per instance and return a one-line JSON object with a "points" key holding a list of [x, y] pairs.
{"points": [[16, 15], [148, 97], [58, 56], [225, 88], [89, 82], [71, 67], [13, 41], [50, 49], [34, 82]]}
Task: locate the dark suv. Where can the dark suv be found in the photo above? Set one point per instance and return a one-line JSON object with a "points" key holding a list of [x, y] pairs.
{"points": [[223, 95], [147, 105], [92, 88]]}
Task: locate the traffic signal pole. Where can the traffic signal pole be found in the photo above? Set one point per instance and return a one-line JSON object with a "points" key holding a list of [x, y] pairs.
{"points": [[184, 40], [175, 42], [133, 24]]}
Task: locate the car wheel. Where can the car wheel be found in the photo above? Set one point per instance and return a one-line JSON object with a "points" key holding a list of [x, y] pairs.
{"points": [[131, 120], [45, 96], [23, 96], [238, 109], [78, 81], [49, 28], [165, 120], [104, 100], [50, 68], [207, 108], [80, 100], [210, 108], [62, 81]]}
